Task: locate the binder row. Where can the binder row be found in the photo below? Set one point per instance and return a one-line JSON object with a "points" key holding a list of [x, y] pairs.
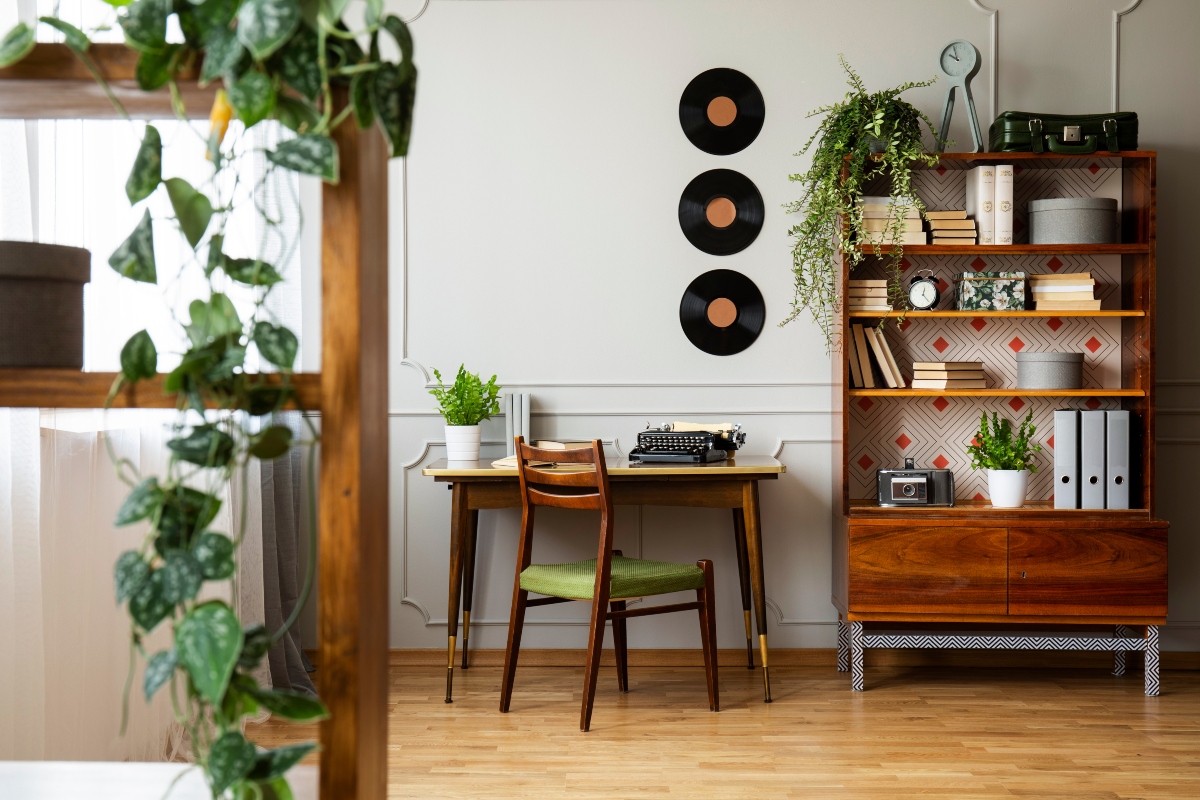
{"points": [[1091, 459]]}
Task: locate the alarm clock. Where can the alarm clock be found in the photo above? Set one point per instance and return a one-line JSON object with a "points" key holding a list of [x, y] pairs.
{"points": [[923, 292]]}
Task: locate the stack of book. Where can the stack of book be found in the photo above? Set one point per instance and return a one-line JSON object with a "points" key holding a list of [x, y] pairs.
{"points": [[880, 225], [990, 202], [869, 355], [1074, 292], [867, 297], [948, 375], [951, 227]]}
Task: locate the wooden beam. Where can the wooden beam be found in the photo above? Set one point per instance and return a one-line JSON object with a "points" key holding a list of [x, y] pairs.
{"points": [[353, 601], [70, 388]]}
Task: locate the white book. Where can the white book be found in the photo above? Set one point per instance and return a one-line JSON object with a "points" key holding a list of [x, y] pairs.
{"points": [[891, 359], [1004, 204], [981, 198], [880, 358], [526, 407], [509, 440]]}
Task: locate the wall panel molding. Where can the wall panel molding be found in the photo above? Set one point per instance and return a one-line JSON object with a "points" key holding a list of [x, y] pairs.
{"points": [[993, 57], [1116, 51]]}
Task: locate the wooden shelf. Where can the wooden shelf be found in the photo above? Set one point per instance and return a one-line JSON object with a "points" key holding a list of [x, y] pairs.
{"points": [[1011, 249], [991, 314], [983, 508], [1031, 160], [68, 388], [1011, 392]]}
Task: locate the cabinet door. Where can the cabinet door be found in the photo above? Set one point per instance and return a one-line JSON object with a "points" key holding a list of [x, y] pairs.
{"points": [[1102, 572], [928, 570]]}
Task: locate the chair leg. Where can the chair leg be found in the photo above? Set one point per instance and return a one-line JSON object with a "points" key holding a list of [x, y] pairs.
{"points": [[516, 622], [708, 633], [592, 669], [621, 647]]}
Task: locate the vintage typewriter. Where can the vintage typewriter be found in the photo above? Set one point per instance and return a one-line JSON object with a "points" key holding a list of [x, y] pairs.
{"points": [[687, 443]]}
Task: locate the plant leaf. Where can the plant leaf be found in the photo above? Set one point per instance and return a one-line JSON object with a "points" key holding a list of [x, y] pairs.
{"points": [[290, 705], [362, 87], [399, 31], [154, 68], [205, 446], [394, 92], [277, 789], [251, 271], [222, 54], [158, 671], [308, 154], [149, 606], [186, 512], [145, 25], [129, 573], [140, 503], [139, 358], [253, 98], [207, 642], [146, 174], [214, 553], [276, 344], [264, 25], [193, 210], [271, 443], [16, 44], [213, 320], [229, 760], [298, 63], [76, 39], [374, 12], [295, 114], [272, 764], [181, 577], [256, 644], [134, 259]]}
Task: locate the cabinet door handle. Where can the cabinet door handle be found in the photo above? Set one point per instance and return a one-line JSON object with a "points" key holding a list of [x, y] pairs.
{"points": [[1022, 574]]}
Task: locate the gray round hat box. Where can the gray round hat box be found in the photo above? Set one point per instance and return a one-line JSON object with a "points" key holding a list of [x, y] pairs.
{"points": [[1049, 370], [1073, 220], [41, 304]]}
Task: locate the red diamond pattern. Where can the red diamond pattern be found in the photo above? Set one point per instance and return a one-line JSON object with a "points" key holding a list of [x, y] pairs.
{"points": [[1092, 403], [1050, 442], [1016, 404], [941, 170], [865, 462], [1092, 344], [904, 325], [1016, 344], [941, 461], [942, 285], [903, 441], [1018, 169], [865, 403], [941, 403], [940, 345], [979, 496], [1054, 264], [978, 263], [978, 324], [1054, 323], [1093, 168], [905, 264]]}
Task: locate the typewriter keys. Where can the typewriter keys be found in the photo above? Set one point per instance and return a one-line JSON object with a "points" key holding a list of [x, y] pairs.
{"points": [[721, 212], [721, 111], [722, 312]]}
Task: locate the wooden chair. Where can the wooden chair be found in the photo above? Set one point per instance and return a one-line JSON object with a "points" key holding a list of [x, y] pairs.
{"points": [[608, 580]]}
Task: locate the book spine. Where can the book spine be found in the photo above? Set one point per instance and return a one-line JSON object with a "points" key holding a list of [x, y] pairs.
{"points": [[880, 358], [864, 360], [526, 407], [981, 196], [1004, 204], [510, 445], [852, 356], [1066, 459]]}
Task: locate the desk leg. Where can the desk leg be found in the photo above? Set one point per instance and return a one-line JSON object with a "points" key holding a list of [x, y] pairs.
{"points": [[754, 553], [468, 589], [459, 523], [743, 562]]}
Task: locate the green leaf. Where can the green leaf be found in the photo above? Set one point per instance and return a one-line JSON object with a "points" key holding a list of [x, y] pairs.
{"points": [[277, 789], [205, 446], [223, 52], [237, 703], [394, 93], [159, 669], [146, 174], [186, 512], [16, 44], [141, 502], [213, 320], [130, 572], [271, 443], [290, 705], [399, 31], [298, 63], [272, 764], [262, 400], [362, 87], [154, 68], [76, 39], [139, 358], [181, 576], [257, 643], [264, 25], [215, 256], [214, 553], [276, 344], [374, 12], [295, 114], [226, 366], [149, 606], [193, 210], [117, 3], [134, 259], [251, 271], [145, 25], [252, 97], [229, 760], [207, 642], [308, 154]]}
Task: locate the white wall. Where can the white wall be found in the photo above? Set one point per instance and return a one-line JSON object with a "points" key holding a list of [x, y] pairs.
{"points": [[545, 170]]}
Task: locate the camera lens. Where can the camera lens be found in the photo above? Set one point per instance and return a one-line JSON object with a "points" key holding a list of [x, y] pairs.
{"points": [[909, 490]]}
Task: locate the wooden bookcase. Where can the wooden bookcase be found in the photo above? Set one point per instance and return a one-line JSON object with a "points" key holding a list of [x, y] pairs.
{"points": [[974, 567]]}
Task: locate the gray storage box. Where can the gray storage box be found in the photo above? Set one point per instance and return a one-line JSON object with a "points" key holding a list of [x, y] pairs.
{"points": [[1073, 220], [1049, 370], [41, 304]]}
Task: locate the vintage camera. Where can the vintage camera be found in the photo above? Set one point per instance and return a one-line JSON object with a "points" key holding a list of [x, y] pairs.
{"points": [[915, 487]]}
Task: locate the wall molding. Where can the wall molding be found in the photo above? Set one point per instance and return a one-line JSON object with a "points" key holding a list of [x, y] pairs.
{"points": [[993, 56], [619, 412], [1116, 51]]}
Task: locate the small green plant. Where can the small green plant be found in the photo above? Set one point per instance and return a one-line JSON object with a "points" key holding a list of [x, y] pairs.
{"points": [[467, 401], [996, 447]]}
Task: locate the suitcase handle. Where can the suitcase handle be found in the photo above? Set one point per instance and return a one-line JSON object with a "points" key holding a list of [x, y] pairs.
{"points": [[1089, 145]]}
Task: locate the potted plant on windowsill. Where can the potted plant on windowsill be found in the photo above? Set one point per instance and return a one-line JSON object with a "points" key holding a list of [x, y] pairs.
{"points": [[464, 404], [1007, 457]]}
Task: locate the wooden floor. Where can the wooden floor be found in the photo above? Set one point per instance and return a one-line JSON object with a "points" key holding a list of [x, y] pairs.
{"points": [[961, 734]]}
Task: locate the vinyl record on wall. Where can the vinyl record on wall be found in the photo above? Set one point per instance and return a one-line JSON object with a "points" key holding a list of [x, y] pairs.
{"points": [[721, 111], [722, 312], [721, 212]]}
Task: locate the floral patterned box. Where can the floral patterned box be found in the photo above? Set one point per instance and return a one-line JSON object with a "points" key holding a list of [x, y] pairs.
{"points": [[990, 291]]}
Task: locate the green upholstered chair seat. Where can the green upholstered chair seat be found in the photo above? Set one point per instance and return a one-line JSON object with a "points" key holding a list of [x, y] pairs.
{"points": [[631, 577]]}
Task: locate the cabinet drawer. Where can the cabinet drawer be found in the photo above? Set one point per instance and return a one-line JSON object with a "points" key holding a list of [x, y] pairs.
{"points": [[934, 569], [1094, 572]]}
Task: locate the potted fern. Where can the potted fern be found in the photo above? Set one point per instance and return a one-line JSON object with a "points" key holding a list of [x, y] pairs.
{"points": [[464, 404], [1007, 457]]}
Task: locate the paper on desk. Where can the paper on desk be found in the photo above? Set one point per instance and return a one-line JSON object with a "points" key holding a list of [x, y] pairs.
{"points": [[706, 427]]}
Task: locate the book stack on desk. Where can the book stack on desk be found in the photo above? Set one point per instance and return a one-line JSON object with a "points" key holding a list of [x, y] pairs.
{"points": [[948, 375], [1064, 292], [951, 227]]}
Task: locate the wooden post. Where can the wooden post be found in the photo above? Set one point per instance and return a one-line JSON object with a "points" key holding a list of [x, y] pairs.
{"points": [[353, 551]]}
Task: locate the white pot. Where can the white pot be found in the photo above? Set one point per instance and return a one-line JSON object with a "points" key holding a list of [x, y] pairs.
{"points": [[462, 442], [1007, 487]]}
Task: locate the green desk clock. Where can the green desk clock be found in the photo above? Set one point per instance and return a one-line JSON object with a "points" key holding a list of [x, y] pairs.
{"points": [[959, 62]]}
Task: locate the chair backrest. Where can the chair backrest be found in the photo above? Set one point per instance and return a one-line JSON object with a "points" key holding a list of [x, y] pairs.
{"points": [[575, 479]]}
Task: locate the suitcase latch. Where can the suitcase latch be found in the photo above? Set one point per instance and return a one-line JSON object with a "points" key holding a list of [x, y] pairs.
{"points": [[1072, 133]]}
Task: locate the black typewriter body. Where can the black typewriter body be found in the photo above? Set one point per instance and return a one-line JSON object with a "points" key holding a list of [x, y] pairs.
{"points": [[662, 445]]}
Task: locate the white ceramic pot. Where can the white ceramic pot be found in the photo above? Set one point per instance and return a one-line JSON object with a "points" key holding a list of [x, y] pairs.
{"points": [[462, 442], [1007, 487]]}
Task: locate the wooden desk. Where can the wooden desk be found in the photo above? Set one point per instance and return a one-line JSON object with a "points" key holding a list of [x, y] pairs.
{"points": [[732, 484]]}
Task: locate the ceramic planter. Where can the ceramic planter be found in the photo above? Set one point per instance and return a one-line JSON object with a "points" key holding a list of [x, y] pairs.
{"points": [[462, 442], [41, 304], [1007, 487]]}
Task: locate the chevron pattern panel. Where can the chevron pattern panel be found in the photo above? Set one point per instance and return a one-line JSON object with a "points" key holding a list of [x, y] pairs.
{"points": [[977, 642]]}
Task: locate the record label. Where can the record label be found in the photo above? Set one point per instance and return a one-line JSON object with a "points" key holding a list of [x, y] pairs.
{"points": [[721, 111], [722, 312], [721, 212]]}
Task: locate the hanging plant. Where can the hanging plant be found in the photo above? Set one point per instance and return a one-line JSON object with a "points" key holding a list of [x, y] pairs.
{"points": [[275, 60], [869, 135]]}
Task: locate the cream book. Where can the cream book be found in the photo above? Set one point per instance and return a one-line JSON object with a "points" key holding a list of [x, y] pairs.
{"points": [[981, 198], [948, 384], [958, 242], [891, 358], [1050, 277], [874, 291], [867, 284], [1068, 305], [549, 444], [941, 375], [864, 360], [880, 358], [880, 224], [932, 215], [954, 233], [909, 237], [1004, 204], [511, 463], [1050, 287], [852, 357], [1058, 297], [951, 224], [948, 365]]}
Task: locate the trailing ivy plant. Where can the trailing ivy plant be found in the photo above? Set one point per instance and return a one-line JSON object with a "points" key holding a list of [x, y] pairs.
{"points": [[273, 59], [997, 447], [870, 135]]}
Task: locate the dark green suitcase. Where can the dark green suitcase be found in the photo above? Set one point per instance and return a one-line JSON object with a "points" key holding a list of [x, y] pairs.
{"points": [[1022, 132]]}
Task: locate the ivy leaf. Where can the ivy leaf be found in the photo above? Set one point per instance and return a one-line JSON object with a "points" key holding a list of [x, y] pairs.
{"points": [[291, 705], [298, 63], [394, 93], [154, 68], [374, 12], [271, 443], [139, 358], [264, 25], [205, 446], [362, 88], [214, 553], [149, 606], [146, 174], [16, 44], [181, 577], [134, 259], [193, 210], [76, 39], [251, 271], [222, 54], [185, 512], [295, 114], [277, 789], [129, 573], [213, 320], [262, 400], [145, 25], [158, 671], [253, 98], [308, 154], [399, 31], [229, 760], [140, 503], [225, 367], [257, 641], [276, 343], [272, 764], [207, 642]]}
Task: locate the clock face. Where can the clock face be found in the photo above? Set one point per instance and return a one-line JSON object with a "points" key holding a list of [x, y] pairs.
{"points": [[958, 58], [923, 295]]}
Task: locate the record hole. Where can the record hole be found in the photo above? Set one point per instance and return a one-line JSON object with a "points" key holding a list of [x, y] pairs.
{"points": [[722, 312], [722, 111], [720, 212]]}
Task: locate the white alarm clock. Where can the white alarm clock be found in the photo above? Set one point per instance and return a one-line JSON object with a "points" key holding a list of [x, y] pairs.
{"points": [[923, 292]]}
